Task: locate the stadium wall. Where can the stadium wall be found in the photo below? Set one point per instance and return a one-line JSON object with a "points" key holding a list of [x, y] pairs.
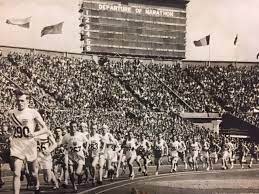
{"points": [[207, 120], [184, 63], [187, 63]]}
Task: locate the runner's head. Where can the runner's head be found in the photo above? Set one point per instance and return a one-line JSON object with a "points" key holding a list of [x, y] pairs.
{"points": [[142, 136], [105, 129], [21, 99], [73, 127], [58, 131], [159, 136], [84, 127], [130, 135], [93, 129]]}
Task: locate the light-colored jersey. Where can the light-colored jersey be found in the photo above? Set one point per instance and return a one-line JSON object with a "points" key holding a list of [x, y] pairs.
{"points": [[159, 145], [94, 144], [74, 143], [131, 144], [24, 122], [195, 146], [230, 146], [43, 143], [205, 146], [116, 146], [86, 134], [108, 138], [145, 144], [182, 146], [174, 146]]}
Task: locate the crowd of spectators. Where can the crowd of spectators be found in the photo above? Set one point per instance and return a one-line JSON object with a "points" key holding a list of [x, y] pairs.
{"points": [[67, 87], [74, 82], [234, 88], [128, 92], [146, 87], [178, 79]]}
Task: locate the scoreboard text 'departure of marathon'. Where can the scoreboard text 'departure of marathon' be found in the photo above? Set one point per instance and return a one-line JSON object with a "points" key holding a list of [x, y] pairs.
{"points": [[131, 28]]}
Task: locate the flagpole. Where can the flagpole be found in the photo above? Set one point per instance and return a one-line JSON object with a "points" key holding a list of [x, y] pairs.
{"points": [[209, 55], [236, 55], [236, 45]]}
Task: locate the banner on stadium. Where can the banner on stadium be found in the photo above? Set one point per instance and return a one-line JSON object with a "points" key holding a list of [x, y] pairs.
{"points": [[22, 22], [202, 42], [54, 29]]}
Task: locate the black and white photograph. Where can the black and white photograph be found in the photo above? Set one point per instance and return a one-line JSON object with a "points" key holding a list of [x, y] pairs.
{"points": [[129, 96]]}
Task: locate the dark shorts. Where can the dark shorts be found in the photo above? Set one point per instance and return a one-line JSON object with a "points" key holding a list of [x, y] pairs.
{"points": [[182, 155], [157, 154], [5, 157], [254, 155], [59, 159]]}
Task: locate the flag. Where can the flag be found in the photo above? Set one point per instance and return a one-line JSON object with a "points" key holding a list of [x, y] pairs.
{"points": [[202, 42], [24, 22], [235, 41], [54, 29], [257, 56]]}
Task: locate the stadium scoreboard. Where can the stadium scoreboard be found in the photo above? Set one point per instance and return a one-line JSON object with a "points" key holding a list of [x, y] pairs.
{"points": [[136, 29]]}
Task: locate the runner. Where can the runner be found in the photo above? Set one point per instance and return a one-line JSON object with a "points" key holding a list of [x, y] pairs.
{"points": [[195, 149], [59, 166], [143, 151], [182, 151], [173, 153], [106, 153], [214, 152], [205, 156], [130, 145], [242, 152], [75, 142], [46, 144], [226, 155], [23, 144], [4, 149], [160, 149], [93, 150], [253, 150], [122, 163]]}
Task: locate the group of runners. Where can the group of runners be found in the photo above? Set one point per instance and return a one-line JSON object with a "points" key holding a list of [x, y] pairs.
{"points": [[92, 152]]}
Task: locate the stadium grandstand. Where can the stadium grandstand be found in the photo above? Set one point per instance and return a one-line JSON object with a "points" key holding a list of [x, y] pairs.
{"points": [[80, 84]]}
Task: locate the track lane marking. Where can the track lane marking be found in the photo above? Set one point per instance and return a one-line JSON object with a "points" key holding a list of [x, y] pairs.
{"points": [[153, 177]]}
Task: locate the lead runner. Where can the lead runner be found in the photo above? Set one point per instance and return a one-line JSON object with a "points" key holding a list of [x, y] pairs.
{"points": [[23, 146]]}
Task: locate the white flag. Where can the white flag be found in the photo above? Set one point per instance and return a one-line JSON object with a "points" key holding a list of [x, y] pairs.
{"points": [[22, 22]]}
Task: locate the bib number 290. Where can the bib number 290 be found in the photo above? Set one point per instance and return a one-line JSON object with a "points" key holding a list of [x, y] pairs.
{"points": [[21, 132]]}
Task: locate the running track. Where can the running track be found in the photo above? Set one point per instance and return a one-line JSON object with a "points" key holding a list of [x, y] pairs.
{"points": [[235, 181]]}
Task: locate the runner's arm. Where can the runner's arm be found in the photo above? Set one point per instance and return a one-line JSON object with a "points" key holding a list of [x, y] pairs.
{"points": [[43, 127], [53, 144], [219, 148], [166, 147]]}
